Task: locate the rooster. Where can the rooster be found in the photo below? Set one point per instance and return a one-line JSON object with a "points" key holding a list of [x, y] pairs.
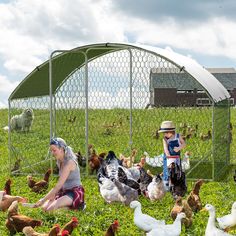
{"points": [[41, 185], [7, 187], [29, 231], [178, 181], [70, 226], [113, 228], [16, 222], [193, 198]]}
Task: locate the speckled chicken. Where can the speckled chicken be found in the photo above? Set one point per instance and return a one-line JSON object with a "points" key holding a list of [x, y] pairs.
{"points": [[156, 189], [129, 194], [16, 222], [39, 186], [193, 198]]}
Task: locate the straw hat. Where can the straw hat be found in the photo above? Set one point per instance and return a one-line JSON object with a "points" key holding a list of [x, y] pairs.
{"points": [[166, 126]]}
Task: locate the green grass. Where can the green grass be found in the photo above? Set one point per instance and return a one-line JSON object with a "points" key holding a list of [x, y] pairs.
{"points": [[98, 215]]}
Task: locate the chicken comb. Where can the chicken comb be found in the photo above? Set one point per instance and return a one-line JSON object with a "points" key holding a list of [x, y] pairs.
{"points": [[74, 219], [64, 233], [116, 222]]}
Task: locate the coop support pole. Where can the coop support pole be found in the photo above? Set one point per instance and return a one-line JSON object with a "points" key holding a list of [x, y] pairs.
{"points": [[9, 137], [131, 98], [86, 112], [213, 144], [50, 99]]}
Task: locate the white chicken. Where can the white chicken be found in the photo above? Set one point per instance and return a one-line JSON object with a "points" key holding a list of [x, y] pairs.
{"points": [[156, 189], [211, 228], [109, 191], [228, 221], [143, 221], [170, 229], [156, 161], [185, 163]]}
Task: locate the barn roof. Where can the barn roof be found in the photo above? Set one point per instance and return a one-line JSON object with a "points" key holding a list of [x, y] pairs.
{"points": [[36, 84], [183, 81]]}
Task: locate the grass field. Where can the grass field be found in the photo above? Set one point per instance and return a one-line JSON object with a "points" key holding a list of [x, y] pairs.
{"points": [[98, 215]]}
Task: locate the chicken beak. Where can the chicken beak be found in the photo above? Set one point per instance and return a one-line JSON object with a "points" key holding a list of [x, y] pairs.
{"points": [[203, 209]]}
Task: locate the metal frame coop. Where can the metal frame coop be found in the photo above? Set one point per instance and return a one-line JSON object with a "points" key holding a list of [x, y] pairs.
{"points": [[98, 94]]}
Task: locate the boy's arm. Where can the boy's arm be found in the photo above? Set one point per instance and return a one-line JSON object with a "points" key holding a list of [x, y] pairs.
{"points": [[166, 151], [182, 144]]}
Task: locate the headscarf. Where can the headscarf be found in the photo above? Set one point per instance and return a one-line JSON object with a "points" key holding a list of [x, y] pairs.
{"points": [[61, 143]]}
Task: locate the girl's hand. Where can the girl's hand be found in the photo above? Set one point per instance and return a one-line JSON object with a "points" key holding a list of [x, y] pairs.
{"points": [[39, 203]]}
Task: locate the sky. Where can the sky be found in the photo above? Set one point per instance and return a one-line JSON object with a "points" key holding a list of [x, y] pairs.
{"points": [[30, 30]]}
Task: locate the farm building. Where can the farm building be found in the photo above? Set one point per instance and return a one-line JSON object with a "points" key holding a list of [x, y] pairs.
{"points": [[169, 88]]}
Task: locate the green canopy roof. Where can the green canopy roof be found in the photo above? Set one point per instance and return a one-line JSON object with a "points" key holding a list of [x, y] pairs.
{"points": [[36, 84]]}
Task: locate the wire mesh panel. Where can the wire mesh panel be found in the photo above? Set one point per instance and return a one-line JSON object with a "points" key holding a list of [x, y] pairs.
{"points": [[124, 112], [29, 144], [117, 102], [221, 139]]}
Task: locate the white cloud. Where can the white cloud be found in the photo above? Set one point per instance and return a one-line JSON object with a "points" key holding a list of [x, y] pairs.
{"points": [[213, 37], [31, 30], [7, 86]]}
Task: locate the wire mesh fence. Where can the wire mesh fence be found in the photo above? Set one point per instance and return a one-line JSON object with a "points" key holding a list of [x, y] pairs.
{"points": [[117, 102]]}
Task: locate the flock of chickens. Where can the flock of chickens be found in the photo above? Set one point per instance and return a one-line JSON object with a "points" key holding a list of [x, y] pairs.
{"points": [[118, 183], [17, 222]]}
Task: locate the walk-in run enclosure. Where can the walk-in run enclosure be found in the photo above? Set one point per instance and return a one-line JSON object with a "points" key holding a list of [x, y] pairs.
{"points": [[103, 95]]}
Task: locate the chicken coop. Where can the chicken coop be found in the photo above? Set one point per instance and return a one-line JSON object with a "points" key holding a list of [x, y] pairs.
{"points": [[99, 98]]}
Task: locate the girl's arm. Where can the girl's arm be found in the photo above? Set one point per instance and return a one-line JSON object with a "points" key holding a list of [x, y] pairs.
{"points": [[63, 177]]}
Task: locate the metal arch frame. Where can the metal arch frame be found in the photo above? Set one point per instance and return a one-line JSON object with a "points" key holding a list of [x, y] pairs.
{"points": [[213, 87]]}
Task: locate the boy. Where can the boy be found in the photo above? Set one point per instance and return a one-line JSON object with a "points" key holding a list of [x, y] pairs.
{"points": [[173, 143]]}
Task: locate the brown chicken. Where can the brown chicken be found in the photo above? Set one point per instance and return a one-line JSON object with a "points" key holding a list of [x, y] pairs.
{"points": [[39, 186], [70, 226], [16, 222], [193, 198], [128, 161], [113, 228], [6, 200], [205, 137], [29, 231], [95, 161], [16, 168], [182, 206], [7, 187]]}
